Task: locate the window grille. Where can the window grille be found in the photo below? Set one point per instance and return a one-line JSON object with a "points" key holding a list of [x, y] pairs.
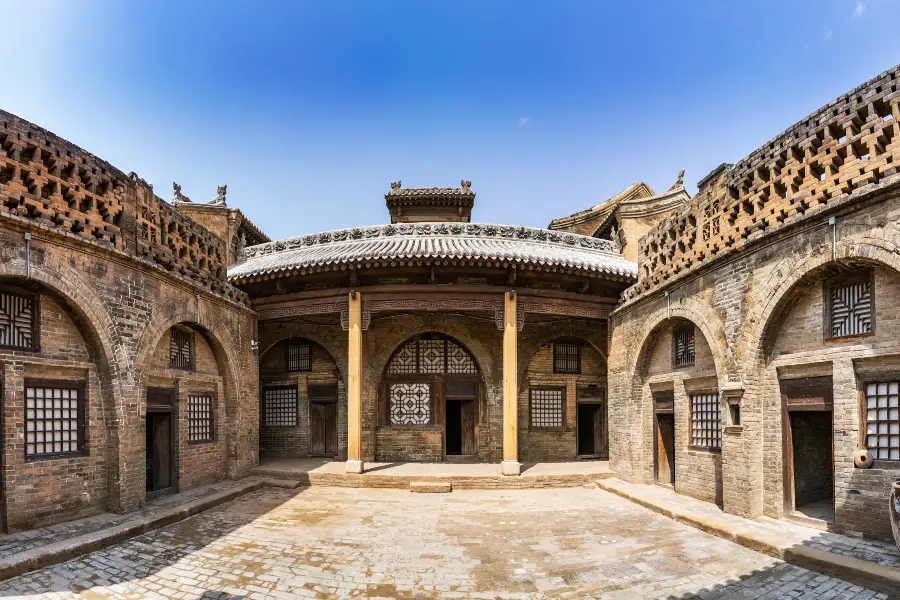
{"points": [[299, 356], [410, 403], [18, 321], [181, 350], [684, 347], [458, 360], [280, 407], [567, 358], [711, 220], [547, 408], [200, 418], [705, 426], [431, 356], [883, 420], [851, 309], [53, 420]]}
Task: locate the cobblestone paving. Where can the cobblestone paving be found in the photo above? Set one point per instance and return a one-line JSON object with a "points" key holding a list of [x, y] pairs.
{"points": [[14, 543], [334, 543]]}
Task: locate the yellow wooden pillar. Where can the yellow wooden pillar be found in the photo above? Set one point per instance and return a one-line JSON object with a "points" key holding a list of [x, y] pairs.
{"points": [[354, 385], [510, 465]]}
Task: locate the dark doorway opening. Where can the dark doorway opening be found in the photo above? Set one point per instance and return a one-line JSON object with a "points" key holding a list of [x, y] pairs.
{"points": [[460, 429], [323, 420], [809, 448], [160, 443], [591, 421]]}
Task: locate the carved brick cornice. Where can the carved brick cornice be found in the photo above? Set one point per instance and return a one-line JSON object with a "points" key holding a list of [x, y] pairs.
{"points": [[301, 309], [565, 309]]}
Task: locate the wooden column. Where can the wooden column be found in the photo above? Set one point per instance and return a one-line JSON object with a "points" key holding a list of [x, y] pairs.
{"points": [[510, 465], [354, 385]]}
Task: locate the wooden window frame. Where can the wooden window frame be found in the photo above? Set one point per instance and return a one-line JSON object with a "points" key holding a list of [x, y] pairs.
{"points": [[690, 420], [571, 344], [862, 276], [213, 418], [192, 349], [264, 410], [433, 388], [675, 330], [298, 343], [864, 380], [81, 423], [35, 318], [548, 388]]}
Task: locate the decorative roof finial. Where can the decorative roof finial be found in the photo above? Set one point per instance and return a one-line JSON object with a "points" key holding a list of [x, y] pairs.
{"points": [[395, 186], [220, 196], [680, 178], [177, 196], [466, 185]]}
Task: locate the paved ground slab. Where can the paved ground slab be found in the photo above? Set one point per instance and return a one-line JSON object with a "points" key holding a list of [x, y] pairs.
{"points": [[335, 542]]}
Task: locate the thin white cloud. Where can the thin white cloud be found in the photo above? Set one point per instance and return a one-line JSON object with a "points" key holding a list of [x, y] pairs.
{"points": [[860, 9], [828, 35], [523, 121]]}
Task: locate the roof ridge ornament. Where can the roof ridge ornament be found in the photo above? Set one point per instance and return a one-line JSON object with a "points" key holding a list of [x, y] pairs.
{"points": [[679, 183], [219, 200], [177, 196], [466, 185]]}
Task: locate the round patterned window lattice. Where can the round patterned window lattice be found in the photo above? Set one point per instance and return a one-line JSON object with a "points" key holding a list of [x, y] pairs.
{"points": [[432, 356]]}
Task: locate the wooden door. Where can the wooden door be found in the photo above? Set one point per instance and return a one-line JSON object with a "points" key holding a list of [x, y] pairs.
{"points": [[161, 458], [665, 448], [467, 418], [599, 427], [323, 428], [814, 394]]}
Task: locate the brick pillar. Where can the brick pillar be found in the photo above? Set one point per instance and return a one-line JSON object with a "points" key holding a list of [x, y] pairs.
{"points": [[15, 502], [510, 465], [354, 385]]}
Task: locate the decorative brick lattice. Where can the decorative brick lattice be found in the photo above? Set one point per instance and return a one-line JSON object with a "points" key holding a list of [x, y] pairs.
{"points": [[883, 420], [705, 426], [52, 420], [547, 408], [410, 403], [280, 407], [200, 418], [850, 143], [17, 326], [851, 309]]}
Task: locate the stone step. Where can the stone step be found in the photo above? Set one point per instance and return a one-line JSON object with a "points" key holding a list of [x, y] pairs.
{"points": [[430, 487]]}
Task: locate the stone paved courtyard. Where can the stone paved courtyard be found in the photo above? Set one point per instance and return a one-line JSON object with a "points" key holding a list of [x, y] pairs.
{"points": [[331, 543]]}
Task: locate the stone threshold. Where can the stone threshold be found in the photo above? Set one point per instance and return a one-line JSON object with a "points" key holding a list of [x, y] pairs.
{"points": [[771, 537], [78, 545]]}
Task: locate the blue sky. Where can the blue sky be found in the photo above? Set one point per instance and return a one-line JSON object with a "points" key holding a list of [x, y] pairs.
{"points": [[308, 110]]}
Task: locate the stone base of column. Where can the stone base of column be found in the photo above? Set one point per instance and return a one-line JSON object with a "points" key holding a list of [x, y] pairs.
{"points": [[511, 467], [355, 466]]}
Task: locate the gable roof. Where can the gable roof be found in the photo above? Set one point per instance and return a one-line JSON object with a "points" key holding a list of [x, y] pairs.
{"points": [[599, 212]]}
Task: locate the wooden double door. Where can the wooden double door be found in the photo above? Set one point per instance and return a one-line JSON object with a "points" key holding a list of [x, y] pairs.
{"points": [[323, 426]]}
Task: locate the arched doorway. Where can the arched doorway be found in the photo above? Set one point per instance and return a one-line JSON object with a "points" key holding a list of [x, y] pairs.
{"points": [[431, 397]]}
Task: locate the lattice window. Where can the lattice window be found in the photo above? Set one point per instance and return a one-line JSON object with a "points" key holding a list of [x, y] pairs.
{"points": [[299, 356], [458, 360], [431, 356], [684, 350], [705, 425], [547, 407], [201, 413], [54, 423], [18, 321], [883, 420], [410, 403], [280, 407], [566, 358], [181, 350], [850, 309], [404, 361]]}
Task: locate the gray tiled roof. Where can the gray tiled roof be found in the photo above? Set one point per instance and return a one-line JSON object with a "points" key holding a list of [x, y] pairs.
{"points": [[427, 243]]}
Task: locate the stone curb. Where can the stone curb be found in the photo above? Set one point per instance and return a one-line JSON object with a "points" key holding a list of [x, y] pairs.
{"points": [[58, 552], [854, 570]]}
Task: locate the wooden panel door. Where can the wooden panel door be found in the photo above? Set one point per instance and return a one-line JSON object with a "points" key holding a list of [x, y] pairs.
{"points": [[161, 459], [665, 448], [467, 416], [323, 428], [599, 430]]}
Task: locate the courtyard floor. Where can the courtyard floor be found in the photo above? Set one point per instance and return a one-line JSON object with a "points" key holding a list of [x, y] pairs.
{"points": [[324, 542]]}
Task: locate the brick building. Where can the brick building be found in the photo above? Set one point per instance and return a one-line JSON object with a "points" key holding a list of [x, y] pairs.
{"points": [[739, 345]]}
